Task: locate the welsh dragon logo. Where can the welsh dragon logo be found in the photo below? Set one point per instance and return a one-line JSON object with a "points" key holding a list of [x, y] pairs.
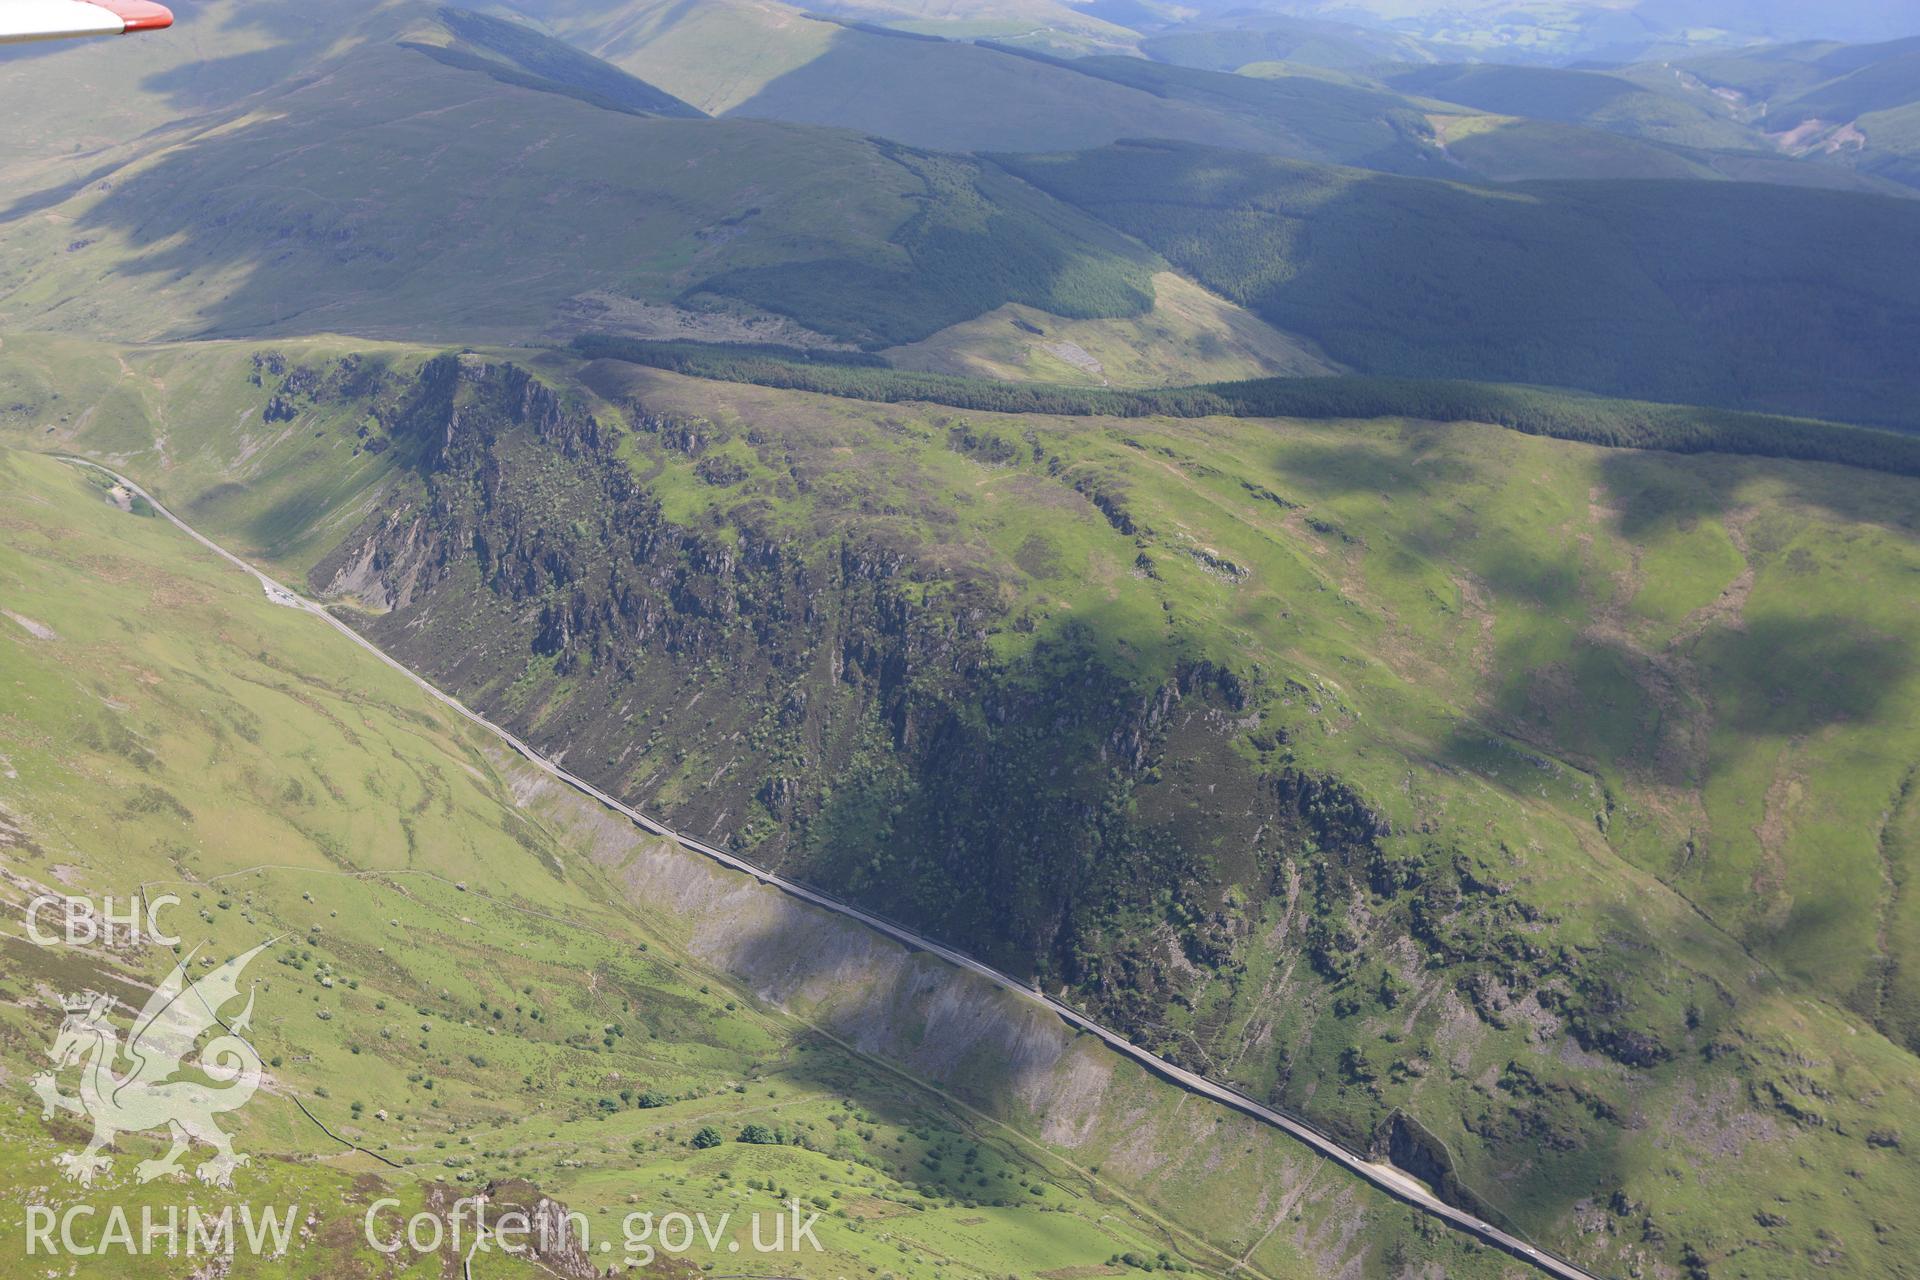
{"points": [[152, 1093]]}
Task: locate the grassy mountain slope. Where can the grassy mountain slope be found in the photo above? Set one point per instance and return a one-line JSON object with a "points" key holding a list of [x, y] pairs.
{"points": [[109, 92], [1867, 114], [1497, 148], [716, 54], [1573, 97], [1784, 74], [1190, 333], [772, 61], [1539, 411], [1806, 309], [1849, 108], [764, 61], [331, 206], [1264, 37], [1511, 124], [526, 57], [965, 97], [1401, 761], [1516, 149], [1057, 25], [428, 1004]]}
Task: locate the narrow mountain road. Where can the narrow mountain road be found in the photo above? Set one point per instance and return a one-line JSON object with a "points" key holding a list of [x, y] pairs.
{"points": [[1402, 1186]]}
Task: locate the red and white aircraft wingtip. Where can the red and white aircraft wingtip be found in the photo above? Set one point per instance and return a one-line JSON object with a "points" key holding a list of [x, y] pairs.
{"points": [[138, 14], [25, 20]]}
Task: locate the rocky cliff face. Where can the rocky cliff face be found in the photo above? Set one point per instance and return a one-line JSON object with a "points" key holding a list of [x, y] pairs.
{"points": [[827, 698], [854, 729]]}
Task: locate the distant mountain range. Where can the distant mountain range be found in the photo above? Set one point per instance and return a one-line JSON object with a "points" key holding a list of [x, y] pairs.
{"points": [[1563, 31], [810, 214]]}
